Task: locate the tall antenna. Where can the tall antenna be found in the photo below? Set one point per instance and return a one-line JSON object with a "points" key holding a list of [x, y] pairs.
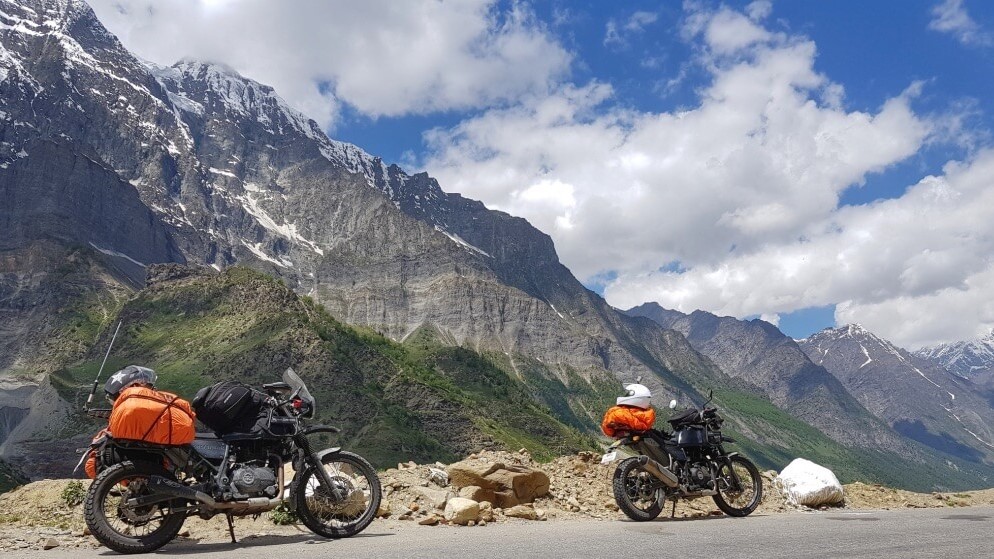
{"points": [[96, 381]]}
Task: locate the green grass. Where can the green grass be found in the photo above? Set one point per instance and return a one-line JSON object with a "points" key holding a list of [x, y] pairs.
{"points": [[780, 438], [395, 402]]}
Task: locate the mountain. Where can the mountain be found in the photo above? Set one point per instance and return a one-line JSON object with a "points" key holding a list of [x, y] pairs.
{"points": [[110, 165], [759, 353], [779, 367], [419, 400], [196, 164], [967, 359], [921, 401]]}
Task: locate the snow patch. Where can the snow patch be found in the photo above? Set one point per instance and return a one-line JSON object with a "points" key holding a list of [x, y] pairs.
{"points": [[459, 241], [287, 230], [109, 252], [223, 172], [256, 249]]}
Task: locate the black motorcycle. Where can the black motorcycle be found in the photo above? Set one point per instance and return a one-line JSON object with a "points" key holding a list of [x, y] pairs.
{"points": [[143, 493], [688, 463]]}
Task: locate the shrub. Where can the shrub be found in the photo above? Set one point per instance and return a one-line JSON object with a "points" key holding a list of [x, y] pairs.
{"points": [[73, 493], [282, 516]]}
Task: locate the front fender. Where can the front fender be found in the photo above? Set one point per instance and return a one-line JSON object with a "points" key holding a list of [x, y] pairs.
{"points": [[321, 429], [300, 466]]}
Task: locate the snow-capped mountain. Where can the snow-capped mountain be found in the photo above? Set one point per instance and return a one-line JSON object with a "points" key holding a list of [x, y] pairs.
{"points": [[971, 359], [194, 163], [764, 356], [920, 400]]}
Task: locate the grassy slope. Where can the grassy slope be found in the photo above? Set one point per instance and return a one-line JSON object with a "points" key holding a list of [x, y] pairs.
{"points": [[785, 438], [424, 399], [421, 401]]}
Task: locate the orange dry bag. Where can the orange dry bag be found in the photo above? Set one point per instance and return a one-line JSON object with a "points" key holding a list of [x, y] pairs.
{"points": [[627, 418], [148, 415]]}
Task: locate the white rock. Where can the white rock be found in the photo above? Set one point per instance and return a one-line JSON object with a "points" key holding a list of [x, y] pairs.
{"points": [[805, 483], [461, 511], [438, 477]]}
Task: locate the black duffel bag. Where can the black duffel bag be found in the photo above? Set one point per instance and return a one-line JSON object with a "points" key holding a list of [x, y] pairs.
{"points": [[228, 407]]}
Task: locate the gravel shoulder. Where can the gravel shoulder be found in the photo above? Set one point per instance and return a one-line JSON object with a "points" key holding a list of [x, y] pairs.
{"points": [[36, 515]]}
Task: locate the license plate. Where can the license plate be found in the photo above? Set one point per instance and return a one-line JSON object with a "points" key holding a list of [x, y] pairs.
{"points": [[609, 457]]}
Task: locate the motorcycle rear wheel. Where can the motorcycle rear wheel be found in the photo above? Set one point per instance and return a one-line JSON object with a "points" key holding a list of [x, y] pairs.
{"points": [[327, 516], [631, 491], [743, 499], [123, 528]]}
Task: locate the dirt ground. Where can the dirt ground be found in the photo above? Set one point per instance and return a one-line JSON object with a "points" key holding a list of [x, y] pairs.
{"points": [[36, 515]]}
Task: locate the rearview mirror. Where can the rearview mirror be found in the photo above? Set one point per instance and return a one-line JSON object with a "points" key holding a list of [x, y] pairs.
{"points": [[672, 404]]}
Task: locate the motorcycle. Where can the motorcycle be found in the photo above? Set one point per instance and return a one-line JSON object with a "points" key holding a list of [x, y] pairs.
{"points": [[689, 463], [143, 493]]}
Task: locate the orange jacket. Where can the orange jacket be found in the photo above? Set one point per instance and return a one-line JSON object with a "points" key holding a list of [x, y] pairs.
{"points": [[627, 418], [148, 415]]}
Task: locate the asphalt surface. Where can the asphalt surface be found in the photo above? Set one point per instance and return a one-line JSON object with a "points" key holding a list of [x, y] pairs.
{"points": [[947, 533]]}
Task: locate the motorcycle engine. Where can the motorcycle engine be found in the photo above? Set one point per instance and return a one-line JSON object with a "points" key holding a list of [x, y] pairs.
{"points": [[253, 480], [700, 476]]}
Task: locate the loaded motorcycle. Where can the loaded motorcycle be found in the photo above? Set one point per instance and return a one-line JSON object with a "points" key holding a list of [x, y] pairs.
{"points": [[688, 463], [144, 492]]}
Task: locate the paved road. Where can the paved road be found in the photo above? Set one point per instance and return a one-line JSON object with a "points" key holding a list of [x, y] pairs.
{"points": [[900, 534]]}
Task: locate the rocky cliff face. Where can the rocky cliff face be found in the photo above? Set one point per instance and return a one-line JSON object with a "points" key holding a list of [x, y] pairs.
{"points": [[921, 401], [196, 163]]}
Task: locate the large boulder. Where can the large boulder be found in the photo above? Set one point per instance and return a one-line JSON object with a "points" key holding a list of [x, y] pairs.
{"points": [[807, 484], [461, 511], [511, 484], [478, 494]]}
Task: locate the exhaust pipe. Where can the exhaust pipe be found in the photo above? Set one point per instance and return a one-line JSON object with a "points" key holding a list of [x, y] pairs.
{"points": [[658, 471], [174, 489]]}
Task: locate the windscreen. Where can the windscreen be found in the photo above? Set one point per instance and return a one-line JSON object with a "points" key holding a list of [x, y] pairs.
{"points": [[297, 385]]}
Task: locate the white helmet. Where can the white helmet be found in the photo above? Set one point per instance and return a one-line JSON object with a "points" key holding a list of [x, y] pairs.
{"points": [[636, 395]]}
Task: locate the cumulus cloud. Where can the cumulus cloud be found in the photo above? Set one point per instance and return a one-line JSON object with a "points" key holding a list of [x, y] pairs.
{"points": [[732, 205], [380, 57], [951, 17]]}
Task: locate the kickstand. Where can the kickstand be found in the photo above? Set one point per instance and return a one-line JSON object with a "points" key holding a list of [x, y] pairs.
{"points": [[231, 528], [673, 513]]}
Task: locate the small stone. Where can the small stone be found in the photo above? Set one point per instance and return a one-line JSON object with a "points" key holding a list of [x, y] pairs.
{"points": [[521, 511], [50, 543], [471, 523], [384, 510], [414, 506], [184, 534], [438, 477], [482, 523], [430, 521]]}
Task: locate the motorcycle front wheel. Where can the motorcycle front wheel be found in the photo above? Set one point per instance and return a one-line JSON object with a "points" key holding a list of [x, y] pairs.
{"points": [[739, 486], [633, 491], [124, 527], [348, 507]]}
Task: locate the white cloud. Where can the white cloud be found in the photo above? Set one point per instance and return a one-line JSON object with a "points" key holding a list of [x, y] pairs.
{"points": [[382, 57], [616, 33], [742, 190], [951, 17]]}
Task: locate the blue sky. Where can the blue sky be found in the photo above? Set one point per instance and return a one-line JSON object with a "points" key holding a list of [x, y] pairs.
{"points": [[812, 163]]}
